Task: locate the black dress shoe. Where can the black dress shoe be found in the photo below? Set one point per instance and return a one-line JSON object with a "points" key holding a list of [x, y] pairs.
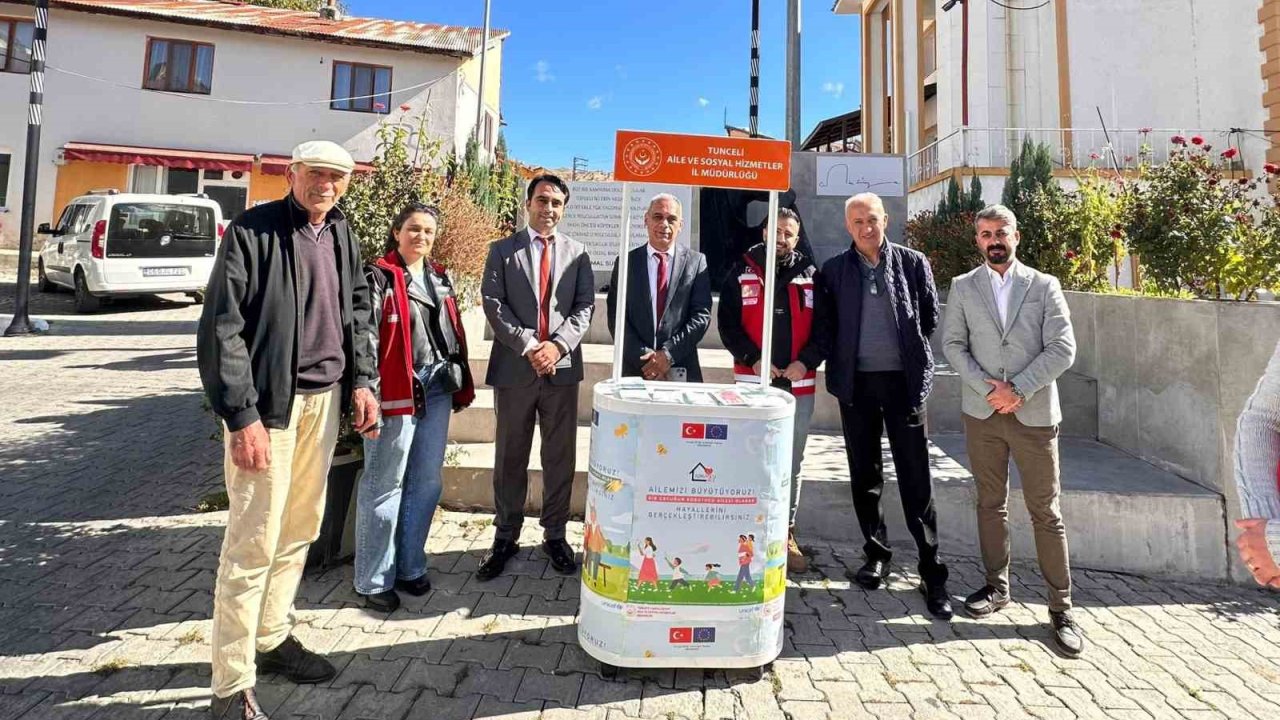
{"points": [[297, 663], [241, 706], [561, 555], [872, 574], [986, 601], [386, 601], [937, 599], [496, 559], [1066, 634], [416, 587]]}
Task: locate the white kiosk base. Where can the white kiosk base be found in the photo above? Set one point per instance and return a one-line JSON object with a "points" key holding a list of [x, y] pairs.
{"points": [[684, 561]]}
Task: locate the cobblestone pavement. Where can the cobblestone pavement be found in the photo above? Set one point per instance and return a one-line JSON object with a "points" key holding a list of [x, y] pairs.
{"points": [[106, 570]]}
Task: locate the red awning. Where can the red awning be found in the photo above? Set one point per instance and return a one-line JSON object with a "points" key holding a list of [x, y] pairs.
{"points": [[166, 157], [279, 165]]}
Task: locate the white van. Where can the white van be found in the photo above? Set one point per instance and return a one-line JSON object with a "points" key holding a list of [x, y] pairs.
{"points": [[109, 243]]}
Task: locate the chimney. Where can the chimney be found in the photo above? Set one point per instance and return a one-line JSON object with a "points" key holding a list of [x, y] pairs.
{"points": [[329, 11]]}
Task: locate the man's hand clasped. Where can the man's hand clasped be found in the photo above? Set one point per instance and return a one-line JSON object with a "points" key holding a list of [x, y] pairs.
{"points": [[656, 365], [1002, 398], [544, 357]]}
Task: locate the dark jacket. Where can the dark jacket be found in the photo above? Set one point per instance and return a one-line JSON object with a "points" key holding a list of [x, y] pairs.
{"points": [[838, 322], [684, 321], [248, 336], [729, 315]]}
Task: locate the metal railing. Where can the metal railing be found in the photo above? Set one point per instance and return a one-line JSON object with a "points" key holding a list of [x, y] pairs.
{"points": [[1079, 148]]}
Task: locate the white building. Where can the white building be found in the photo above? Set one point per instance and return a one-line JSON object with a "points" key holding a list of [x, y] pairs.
{"points": [[209, 96], [957, 84]]}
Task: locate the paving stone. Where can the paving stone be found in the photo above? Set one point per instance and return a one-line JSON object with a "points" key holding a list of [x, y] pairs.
{"points": [[364, 670], [440, 679], [483, 652], [667, 703], [374, 704], [500, 684], [544, 657], [492, 708], [560, 690], [624, 696], [433, 706]]}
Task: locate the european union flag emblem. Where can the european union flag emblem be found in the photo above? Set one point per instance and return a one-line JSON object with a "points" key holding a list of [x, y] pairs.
{"points": [[717, 432], [704, 634]]}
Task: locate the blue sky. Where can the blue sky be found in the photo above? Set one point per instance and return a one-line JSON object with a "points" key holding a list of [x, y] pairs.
{"points": [[576, 71]]}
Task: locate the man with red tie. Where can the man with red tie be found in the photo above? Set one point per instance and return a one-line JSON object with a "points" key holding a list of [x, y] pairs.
{"points": [[538, 291], [668, 300]]}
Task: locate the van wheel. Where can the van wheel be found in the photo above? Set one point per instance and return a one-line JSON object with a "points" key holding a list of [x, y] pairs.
{"points": [[197, 297], [43, 284], [86, 302]]}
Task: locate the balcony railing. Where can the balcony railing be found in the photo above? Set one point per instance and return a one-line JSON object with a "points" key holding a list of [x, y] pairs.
{"points": [[1073, 148]]}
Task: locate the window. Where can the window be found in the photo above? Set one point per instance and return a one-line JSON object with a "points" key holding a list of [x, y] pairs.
{"points": [[363, 88], [75, 219], [15, 45], [179, 66], [4, 179]]}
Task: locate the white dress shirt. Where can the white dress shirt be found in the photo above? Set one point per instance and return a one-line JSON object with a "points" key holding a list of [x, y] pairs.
{"points": [[1000, 287]]}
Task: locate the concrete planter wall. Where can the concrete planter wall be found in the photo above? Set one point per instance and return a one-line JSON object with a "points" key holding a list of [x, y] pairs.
{"points": [[1172, 378]]}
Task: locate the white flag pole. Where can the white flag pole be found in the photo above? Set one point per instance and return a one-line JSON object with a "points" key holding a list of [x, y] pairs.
{"points": [[620, 287], [770, 271]]}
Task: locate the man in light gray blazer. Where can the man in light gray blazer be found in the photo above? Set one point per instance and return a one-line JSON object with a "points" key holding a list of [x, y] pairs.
{"points": [[1008, 334], [539, 292]]}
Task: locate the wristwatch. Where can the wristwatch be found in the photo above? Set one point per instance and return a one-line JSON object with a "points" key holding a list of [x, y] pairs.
{"points": [[1016, 391]]}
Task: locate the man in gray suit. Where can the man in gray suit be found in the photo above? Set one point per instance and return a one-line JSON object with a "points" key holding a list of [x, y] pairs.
{"points": [[538, 294], [1008, 333], [668, 300]]}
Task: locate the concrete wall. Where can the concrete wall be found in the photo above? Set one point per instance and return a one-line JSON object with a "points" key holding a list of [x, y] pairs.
{"points": [[824, 214], [247, 66], [1173, 376]]}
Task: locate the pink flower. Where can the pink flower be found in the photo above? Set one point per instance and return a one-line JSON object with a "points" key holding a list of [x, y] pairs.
{"points": [[1144, 130], [1178, 140], [406, 107], [1117, 234], [1094, 156], [1197, 140], [1242, 181], [379, 107], [1271, 168], [1230, 153], [1070, 254]]}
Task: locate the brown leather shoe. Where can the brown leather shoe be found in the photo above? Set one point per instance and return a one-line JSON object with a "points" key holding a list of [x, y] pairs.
{"points": [[796, 561], [241, 706]]}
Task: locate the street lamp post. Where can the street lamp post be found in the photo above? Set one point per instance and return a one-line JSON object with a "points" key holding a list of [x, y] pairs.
{"points": [[21, 324]]}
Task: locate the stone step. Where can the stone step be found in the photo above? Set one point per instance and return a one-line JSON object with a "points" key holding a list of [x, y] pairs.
{"points": [[1121, 513], [1078, 394]]}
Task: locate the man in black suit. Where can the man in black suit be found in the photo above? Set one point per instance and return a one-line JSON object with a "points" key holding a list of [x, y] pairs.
{"points": [[668, 300]]}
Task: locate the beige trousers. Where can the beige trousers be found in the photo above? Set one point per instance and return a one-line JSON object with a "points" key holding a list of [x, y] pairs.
{"points": [[1035, 449], [273, 516]]}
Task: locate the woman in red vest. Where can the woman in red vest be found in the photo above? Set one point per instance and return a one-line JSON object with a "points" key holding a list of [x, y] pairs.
{"points": [[422, 365], [795, 360]]}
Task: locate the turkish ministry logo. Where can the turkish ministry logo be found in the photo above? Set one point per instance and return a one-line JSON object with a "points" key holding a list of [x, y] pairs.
{"points": [[680, 635], [704, 634], [704, 431], [702, 473], [642, 157]]}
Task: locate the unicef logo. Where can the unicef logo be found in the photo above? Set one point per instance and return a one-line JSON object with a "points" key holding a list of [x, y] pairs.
{"points": [[642, 157]]}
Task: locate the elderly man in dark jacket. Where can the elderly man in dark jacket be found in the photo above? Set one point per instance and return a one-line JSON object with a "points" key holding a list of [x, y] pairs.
{"points": [[284, 347], [877, 307]]}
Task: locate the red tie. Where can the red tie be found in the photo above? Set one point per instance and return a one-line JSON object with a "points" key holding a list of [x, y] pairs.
{"points": [[662, 285], [544, 290]]}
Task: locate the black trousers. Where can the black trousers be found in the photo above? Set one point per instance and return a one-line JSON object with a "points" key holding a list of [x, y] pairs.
{"points": [[880, 404], [554, 409]]}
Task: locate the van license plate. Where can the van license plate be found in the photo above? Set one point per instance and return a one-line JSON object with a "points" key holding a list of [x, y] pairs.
{"points": [[164, 271]]}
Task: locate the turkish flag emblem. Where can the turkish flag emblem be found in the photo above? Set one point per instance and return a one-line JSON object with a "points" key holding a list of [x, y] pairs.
{"points": [[680, 635], [694, 431]]}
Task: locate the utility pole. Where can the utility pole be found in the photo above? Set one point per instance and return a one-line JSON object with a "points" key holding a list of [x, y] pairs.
{"points": [[793, 73], [21, 324], [484, 55], [753, 113], [579, 163]]}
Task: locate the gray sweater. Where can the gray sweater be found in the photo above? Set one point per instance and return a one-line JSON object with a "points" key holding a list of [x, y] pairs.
{"points": [[1258, 454]]}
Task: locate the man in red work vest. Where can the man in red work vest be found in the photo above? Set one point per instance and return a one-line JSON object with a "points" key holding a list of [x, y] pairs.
{"points": [[795, 360]]}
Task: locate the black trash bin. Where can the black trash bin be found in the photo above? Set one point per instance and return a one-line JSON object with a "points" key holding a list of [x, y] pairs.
{"points": [[326, 551]]}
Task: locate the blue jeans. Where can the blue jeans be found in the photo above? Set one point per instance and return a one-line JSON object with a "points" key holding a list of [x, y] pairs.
{"points": [[398, 495]]}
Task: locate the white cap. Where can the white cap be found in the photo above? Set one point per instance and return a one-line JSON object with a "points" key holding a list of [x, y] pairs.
{"points": [[324, 154]]}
